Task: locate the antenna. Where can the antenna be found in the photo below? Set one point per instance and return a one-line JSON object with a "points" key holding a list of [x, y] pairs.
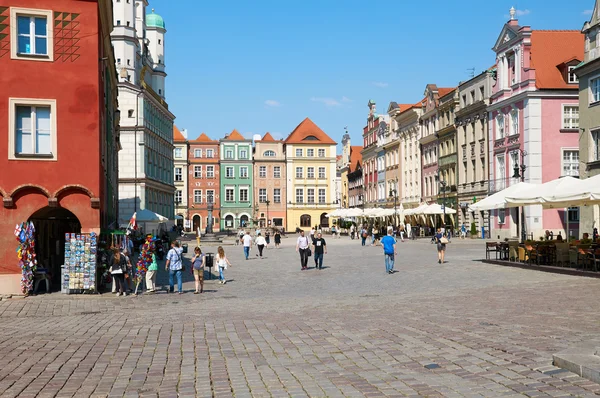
{"points": [[346, 129], [471, 72]]}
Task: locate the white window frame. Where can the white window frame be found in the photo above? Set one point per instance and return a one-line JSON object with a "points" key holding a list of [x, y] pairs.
{"points": [[310, 172], [310, 152], [243, 154], [570, 126], [322, 173], [576, 214], [227, 191], [262, 195], [178, 153], [563, 163], [244, 172], [277, 195], [500, 126], [179, 173], [262, 171], [572, 77], [209, 153], [208, 195], [310, 193], [245, 190], [594, 99], [31, 12], [229, 175], [197, 153], [298, 152], [12, 128], [197, 196], [595, 139], [269, 154], [227, 154], [197, 171], [301, 174], [210, 171], [178, 196], [321, 153], [276, 171], [322, 195], [299, 195], [514, 122]]}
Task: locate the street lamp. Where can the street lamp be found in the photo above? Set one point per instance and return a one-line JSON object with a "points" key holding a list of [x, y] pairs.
{"points": [[443, 184], [268, 202], [394, 195], [521, 168]]}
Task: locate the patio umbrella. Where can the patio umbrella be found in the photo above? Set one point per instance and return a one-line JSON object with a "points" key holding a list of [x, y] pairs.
{"points": [[582, 193], [436, 208], [498, 200], [535, 195]]}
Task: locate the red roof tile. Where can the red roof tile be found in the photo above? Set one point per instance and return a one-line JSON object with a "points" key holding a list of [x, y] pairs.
{"points": [[204, 138], [308, 132], [355, 157], [445, 91], [268, 138], [235, 136], [177, 136], [551, 48]]}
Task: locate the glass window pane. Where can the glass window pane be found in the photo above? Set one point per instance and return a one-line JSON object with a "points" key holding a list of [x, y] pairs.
{"points": [[24, 118], [24, 45], [23, 25], [43, 143], [43, 119], [23, 142], [40, 27], [41, 46]]}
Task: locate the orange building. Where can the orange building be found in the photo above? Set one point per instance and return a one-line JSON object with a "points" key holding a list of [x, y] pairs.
{"points": [[203, 183], [269, 182]]}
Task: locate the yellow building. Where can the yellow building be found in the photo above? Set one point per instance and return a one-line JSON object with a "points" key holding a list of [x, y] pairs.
{"points": [[311, 176]]}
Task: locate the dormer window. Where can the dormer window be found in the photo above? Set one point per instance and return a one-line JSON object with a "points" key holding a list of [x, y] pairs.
{"points": [[572, 77]]}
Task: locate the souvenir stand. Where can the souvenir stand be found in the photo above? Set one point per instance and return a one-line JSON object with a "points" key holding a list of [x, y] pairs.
{"points": [[80, 263], [26, 254], [144, 261], [110, 239]]}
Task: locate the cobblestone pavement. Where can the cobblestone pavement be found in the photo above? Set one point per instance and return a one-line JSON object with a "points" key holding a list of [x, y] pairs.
{"points": [[459, 329]]}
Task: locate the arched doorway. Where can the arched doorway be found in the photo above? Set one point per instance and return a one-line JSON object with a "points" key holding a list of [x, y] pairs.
{"points": [[197, 222], [324, 221], [244, 221], [229, 221], [305, 220], [51, 224]]}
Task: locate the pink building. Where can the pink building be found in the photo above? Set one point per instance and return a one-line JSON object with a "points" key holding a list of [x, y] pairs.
{"points": [[534, 111]]}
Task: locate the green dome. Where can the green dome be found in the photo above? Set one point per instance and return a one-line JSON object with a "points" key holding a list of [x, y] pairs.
{"points": [[155, 21]]}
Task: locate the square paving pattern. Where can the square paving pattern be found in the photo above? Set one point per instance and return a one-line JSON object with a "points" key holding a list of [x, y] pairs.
{"points": [[460, 329]]}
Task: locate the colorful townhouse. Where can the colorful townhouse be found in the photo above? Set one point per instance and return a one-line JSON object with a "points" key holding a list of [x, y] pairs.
{"points": [[237, 199], [180, 174], [59, 138], [311, 172], [447, 151], [270, 181], [204, 184], [588, 74], [369, 156], [534, 121]]}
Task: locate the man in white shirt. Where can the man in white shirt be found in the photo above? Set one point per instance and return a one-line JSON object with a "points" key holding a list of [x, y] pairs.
{"points": [[247, 240], [302, 245], [408, 230]]}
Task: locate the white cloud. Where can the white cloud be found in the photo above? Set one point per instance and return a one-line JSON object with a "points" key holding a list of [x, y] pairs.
{"points": [[521, 13], [346, 99], [272, 103], [588, 12], [380, 84], [327, 101]]}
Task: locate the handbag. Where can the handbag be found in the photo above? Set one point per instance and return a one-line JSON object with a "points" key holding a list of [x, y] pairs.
{"points": [[443, 241], [309, 253]]}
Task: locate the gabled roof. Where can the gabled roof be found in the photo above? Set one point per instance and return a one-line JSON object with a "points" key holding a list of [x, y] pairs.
{"points": [[177, 136], [445, 91], [355, 157], [268, 138], [204, 138], [550, 49], [235, 136], [308, 132]]}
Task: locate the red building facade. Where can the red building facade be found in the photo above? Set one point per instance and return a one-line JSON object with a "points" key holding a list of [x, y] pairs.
{"points": [[58, 135], [204, 183]]}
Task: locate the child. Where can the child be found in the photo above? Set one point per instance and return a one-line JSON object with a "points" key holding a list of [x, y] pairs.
{"points": [[198, 262], [222, 263]]}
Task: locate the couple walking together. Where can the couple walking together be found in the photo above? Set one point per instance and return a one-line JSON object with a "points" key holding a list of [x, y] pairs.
{"points": [[303, 247]]}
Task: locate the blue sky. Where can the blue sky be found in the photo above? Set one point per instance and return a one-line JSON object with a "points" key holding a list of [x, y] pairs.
{"points": [[265, 65]]}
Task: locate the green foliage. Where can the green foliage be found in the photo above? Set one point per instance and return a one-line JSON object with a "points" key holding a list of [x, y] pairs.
{"points": [[473, 229]]}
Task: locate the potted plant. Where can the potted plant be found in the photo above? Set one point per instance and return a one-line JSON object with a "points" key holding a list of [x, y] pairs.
{"points": [[473, 231]]}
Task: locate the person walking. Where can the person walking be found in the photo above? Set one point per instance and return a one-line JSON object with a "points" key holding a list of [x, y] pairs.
{"points": [[277, 239], [118, 268], [441, 245], [363, 235], [352, 231], [198, 262], [389, 250], [312, 233], [463, 231], [302, 247], [151, 274], [175, 267], [319, 250], [402, 231], [247, 242], [267, 238], [260, 244], [222, 263], [408, 231]]}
